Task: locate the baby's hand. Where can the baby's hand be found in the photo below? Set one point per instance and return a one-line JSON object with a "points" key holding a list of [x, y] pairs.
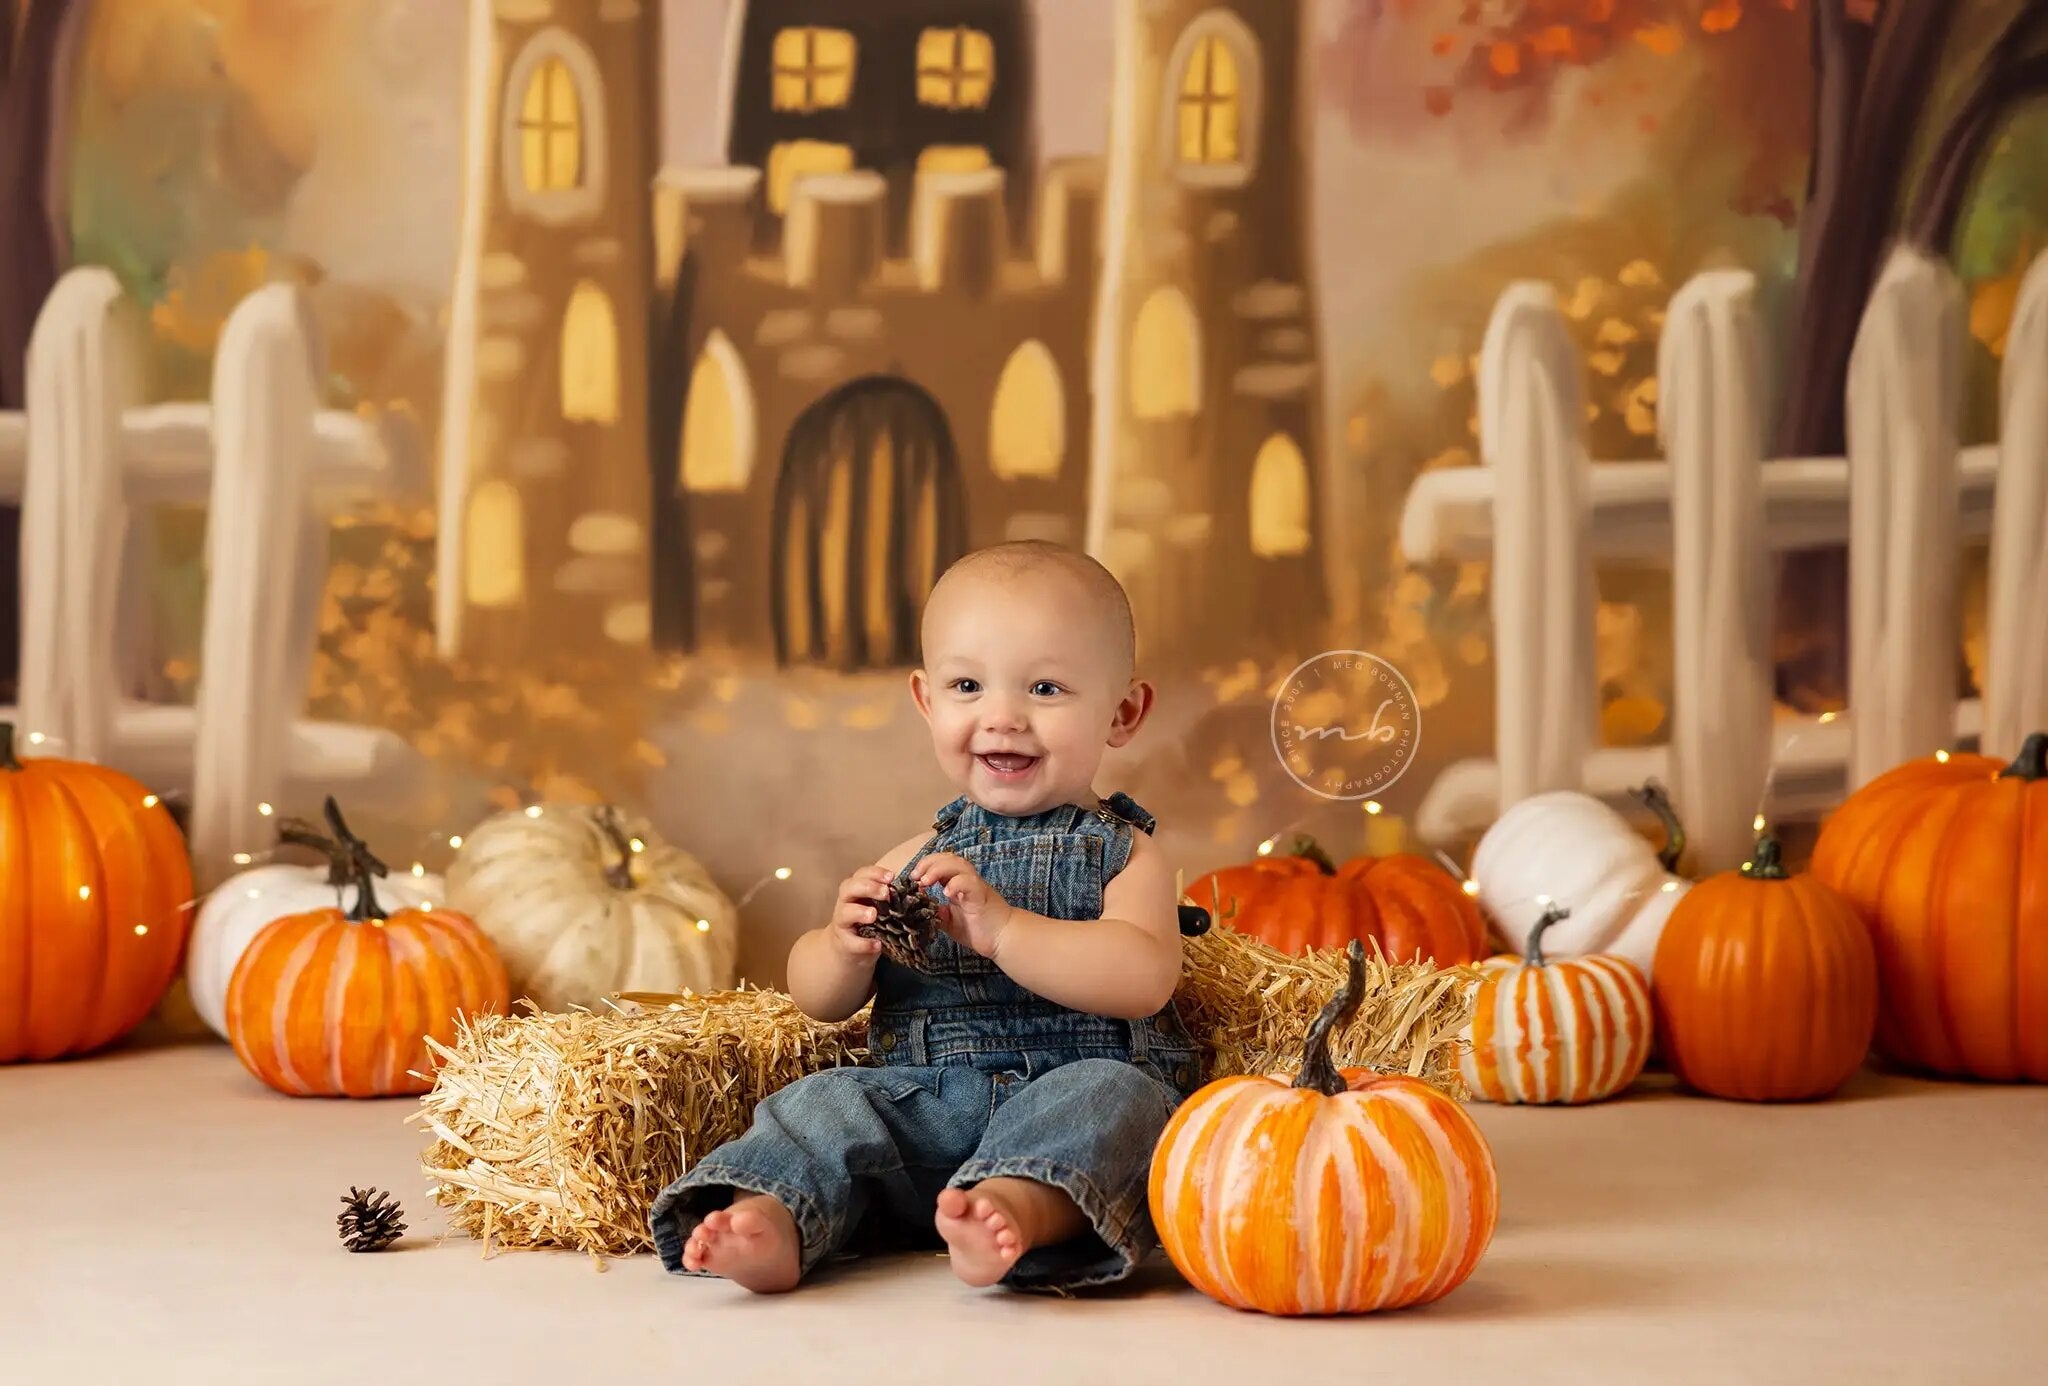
{"points": [[856, 907], [974, 914]]}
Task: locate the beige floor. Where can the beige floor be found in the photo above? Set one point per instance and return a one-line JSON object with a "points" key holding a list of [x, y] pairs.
{"points": [[164, 1219]]}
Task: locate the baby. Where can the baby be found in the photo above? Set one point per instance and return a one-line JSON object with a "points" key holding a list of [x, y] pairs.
{"points": [[1022, 1080]]}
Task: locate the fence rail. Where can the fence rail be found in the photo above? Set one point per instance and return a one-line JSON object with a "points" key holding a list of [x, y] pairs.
{"points": [[270, 465], [1904, 501]]}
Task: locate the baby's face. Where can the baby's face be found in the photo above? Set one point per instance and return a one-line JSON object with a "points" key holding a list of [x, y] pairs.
{"points": [[1024, 688]]}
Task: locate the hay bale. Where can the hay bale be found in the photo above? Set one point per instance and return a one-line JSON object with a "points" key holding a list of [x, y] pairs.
{"points": [[558, 1130]]}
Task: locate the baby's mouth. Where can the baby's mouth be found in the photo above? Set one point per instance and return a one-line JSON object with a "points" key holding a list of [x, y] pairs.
{"points": [[1006, 765]]}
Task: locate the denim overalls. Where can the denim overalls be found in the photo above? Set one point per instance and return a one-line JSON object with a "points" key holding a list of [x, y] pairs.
{"points": [[975, 1077]]}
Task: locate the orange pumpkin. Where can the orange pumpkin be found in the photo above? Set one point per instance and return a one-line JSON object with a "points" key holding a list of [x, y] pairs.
{"points": [[1302, 899], [333, 1004], [1947, 860], [95, 902], [1340, 1193], [1573, 1030], [1765, 984]]}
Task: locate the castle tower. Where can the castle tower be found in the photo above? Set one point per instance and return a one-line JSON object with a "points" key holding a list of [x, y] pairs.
{"points": [[864, 364], [543, 498], [1205, 497]]}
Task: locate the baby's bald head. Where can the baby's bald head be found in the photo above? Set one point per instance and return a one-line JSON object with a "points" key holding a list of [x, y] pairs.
{"points": [[1033, 568]]}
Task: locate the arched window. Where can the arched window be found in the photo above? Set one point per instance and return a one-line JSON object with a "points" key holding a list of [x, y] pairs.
{"points": [[1027, 428], [1212, 106], [1166, 357], [1279, 499], [590, 357], [495, 556], [552, 129], [718, 422]]}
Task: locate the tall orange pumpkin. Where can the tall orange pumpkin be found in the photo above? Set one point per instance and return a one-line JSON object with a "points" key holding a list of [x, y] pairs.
{"points": [[1545, 1030], [95, 902], [1301, 899], [1343, 1192], [334, 1004], [1765, 984], [1947, 860]]}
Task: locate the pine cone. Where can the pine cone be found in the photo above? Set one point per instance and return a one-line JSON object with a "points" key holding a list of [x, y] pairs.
{"points": [[370, 1220], [905, 922]]}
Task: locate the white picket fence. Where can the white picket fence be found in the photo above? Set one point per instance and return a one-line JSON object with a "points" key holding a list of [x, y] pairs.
{"points": [[1904, 501], [87, 457]]}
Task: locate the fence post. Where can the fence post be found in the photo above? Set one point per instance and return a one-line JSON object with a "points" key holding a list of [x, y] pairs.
{"points": [[260, 529], [1905, 521], [1709, 391], [83, 372], [1532, 433], [2016, 626]]}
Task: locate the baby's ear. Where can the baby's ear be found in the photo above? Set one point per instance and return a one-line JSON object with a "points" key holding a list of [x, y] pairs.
{"points": [[1131, 712], [920, 693]]}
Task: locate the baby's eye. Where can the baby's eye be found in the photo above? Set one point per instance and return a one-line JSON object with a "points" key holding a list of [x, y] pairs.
{"points": [[1046, 688], [964, 686]]}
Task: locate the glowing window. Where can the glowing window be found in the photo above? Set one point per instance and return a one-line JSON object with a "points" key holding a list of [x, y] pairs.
{"points": [[813, 69], [551, 129], [495, 556], [952, 158], [956, 68], [1209, 104], [590, 357], [1166, 357], [718, 422], [1027, 432], [1279, 499], [792, 159]]}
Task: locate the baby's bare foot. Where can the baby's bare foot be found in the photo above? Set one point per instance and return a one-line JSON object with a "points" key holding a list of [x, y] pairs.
{"points": [[981, 1232], [753, 1243]]}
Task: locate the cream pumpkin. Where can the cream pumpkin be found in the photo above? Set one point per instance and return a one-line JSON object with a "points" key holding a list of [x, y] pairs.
{"points": [[1571, 849], [583, 900], [243, 905]]}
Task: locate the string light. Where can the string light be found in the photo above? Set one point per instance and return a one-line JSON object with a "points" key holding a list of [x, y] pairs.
{"points": [[703, 926], [1827, 717], [1470, 887], [1756, 824], [1372, 806], [85, 892], [637, 845], [783, 873], [418, 870], [1668, 887], [533, 810], [150, 801], [455, 841], [1266, 848], [243, 858], [265, 809], [36, 738], [141, 929], [1941, 756]]}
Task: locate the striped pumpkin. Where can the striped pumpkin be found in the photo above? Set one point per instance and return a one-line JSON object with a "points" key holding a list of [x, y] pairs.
{"points": [[95, 903], [1340, 1193], [334, 1004], [1570, 1031]]}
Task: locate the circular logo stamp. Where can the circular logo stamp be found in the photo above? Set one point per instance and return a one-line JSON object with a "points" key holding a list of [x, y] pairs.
{"points": [[1346, 724]]}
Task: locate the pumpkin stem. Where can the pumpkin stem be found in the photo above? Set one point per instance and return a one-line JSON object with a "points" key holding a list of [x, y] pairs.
{"points": [[619, 875], [363, 866], [7, 760], [1309, 849], [1764, 863], [1318, 1069], [1658, 802], [2030, 764], [299, 833], [1551, 915]]}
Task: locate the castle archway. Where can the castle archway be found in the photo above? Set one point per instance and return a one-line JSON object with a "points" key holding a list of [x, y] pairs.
{"points": [[868, 513]]}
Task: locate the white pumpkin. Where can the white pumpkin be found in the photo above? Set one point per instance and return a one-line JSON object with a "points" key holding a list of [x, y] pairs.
{"points": [[1573, 850], [578, 911], [238, 909]]}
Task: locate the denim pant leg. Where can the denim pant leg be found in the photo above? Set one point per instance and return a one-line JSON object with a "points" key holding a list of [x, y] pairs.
{"points": [[829, 1147], [1088, 1129]]}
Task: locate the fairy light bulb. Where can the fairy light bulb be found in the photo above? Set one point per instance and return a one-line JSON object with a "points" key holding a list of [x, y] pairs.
{"points": [[703, 926], [533, 810], [1941, 756], [141, 930], [85, 892], [456, 841], [1668, 887], [783, 873], [637, 845], [418, 869], [36, 738], [1266, 848], [265, 809], [1470, 887], [1756, 824], [1827, 717], [1373, 807], [150, 801], [243, 859]]}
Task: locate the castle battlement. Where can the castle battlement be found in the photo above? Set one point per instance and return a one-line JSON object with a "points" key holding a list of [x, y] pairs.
{"points": [[834, 242]]}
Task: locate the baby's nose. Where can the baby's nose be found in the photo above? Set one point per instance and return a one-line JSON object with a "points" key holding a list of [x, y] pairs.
{"points": [[1000, 714]]}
